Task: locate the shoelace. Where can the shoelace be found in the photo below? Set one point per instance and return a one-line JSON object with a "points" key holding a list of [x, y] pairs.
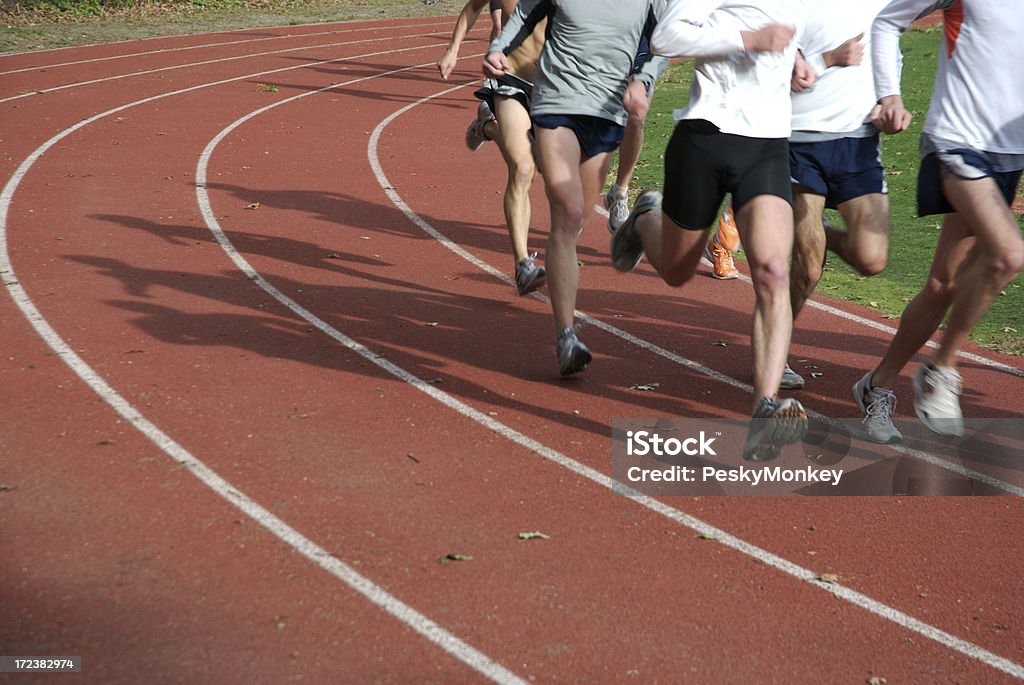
{"points": [[884, 405]]}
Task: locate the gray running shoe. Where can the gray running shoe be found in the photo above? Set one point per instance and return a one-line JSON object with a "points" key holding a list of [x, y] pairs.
{"points": [[618, 210], [626, 247], [475, 135], [878, 405], [791, 380], [573, 355], [937, 399], [529, 277], [774, 425]]}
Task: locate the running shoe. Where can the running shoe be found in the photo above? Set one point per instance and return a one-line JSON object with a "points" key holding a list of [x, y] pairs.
{"points": [[774, 425], [878, 405], [728, 234], [791, 380], [573, 355], [937, 399], [475, 134], [618, 210], [529, 277], [626, 246], [720, 258]]}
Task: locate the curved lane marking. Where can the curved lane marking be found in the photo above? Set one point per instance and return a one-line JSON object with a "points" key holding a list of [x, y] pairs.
{"points": [[272, 523], [184, 48], [221, 60], [851, 596], [404, 613]]}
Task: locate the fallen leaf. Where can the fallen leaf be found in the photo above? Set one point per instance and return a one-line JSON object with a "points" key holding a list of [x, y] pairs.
{"points": [[535, 535], [454, 557], [4, 487], [433, 324], [1009, 329], [720, 343], [254, 205], [873, 303], [829, 577], [877, 680], [644, 387], [706, 536], [816, 374]]}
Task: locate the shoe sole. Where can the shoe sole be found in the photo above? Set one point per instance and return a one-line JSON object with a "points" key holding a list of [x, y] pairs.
{"points": [[787, 426], [647, 202], [791, 384], [536, 284]]}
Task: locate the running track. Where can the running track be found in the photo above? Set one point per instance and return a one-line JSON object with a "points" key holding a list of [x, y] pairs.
{"points": [[263, 369]]}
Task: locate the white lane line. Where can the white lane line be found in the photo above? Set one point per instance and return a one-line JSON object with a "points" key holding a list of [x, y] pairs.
{"points": [[629, 337], [851, 596], [190, 65], [890, 613], [404, 613], [204, 46], [835, 311], [64, 351]]}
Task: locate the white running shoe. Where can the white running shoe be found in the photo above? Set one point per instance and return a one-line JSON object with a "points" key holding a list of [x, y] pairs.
{"points": [[618, 210], [791, 380], [937, 399], [878, 405]]}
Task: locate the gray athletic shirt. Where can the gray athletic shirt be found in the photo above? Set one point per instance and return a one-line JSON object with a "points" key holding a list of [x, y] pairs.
{"points": [[592, 49]]}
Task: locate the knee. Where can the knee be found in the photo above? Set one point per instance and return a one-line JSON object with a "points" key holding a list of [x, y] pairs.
{"points": [[871, 261], [1008, 263], [772, 274], [805, 276], [523, 172], [939, 289], [570, 223], [872, 265]]}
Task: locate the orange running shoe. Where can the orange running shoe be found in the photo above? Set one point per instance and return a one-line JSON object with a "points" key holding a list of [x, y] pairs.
{"points": [[723, 268], [728, 235]]}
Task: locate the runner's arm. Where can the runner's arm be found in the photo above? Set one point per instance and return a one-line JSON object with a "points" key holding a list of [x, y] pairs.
{"points": [[467, 17]]}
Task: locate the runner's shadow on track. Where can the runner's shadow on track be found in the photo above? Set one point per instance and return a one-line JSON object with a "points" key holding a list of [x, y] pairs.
{"points": [[353, 217], [390, 322]]}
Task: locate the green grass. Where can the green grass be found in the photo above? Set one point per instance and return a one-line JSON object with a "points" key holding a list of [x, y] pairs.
{"points": [[913, 239]]}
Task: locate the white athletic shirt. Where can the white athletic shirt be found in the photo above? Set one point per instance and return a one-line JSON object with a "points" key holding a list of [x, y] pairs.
{"points": [[841, 100], [978, 99], [742, 93]]}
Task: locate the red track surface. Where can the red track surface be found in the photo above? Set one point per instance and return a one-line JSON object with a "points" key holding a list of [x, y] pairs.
{"points": [[114, 550]]}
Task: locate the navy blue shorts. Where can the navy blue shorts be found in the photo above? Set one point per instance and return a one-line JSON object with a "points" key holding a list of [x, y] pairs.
{"points": [[595, 135], [966, 164], [702, 164], [840, 169]]}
